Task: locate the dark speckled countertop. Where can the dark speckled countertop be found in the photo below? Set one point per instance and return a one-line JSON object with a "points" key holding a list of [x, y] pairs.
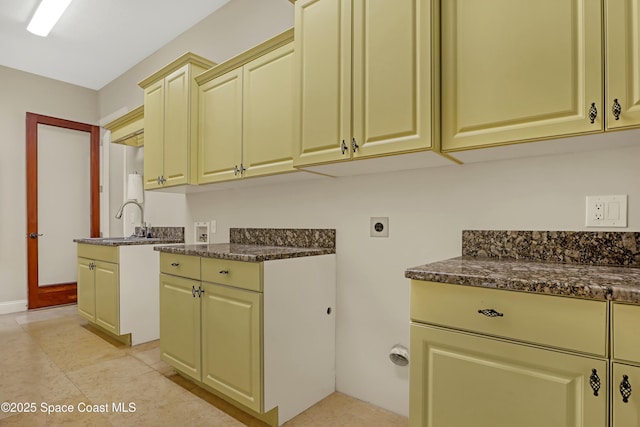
{"points": [[263, 244], [161, 235], [593, 265]]}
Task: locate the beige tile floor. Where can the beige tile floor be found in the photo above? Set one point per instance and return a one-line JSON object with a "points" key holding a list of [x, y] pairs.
{"points": [[52, 358]]}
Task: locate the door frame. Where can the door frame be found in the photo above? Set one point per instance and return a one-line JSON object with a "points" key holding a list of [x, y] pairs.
{"points": [[63, 293]]}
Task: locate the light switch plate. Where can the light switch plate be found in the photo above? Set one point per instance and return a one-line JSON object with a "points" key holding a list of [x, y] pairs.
{"points": [[606, 211], [379, 226]]}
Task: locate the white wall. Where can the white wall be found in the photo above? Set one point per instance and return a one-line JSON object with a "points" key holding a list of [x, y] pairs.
{"points": [[427, 210], [22, 93]]}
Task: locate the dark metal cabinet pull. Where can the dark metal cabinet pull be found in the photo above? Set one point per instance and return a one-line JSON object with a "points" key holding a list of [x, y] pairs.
{"points": [[594, 381], [236, 171], [593, 112], [175, 264], [490, 312], [616, 109], [224, 271], [354, 145], [625, 388], [343, 147]]}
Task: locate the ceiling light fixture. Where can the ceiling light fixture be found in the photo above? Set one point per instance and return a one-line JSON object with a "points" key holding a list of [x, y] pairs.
{"points": [[46, 16]]}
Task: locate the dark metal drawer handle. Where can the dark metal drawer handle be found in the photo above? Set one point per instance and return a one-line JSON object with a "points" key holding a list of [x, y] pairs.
{"points": [[490, 312], [625, 388], [175, 264], [224, 271], [594, 382]]}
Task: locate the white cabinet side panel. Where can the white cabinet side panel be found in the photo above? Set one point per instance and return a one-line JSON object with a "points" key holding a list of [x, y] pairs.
{"points": [[299, 334], [139, 293]]}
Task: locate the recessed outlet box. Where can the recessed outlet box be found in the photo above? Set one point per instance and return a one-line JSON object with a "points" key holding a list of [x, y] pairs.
{"points": [[201, 232], [606, 211], [379, 226]]}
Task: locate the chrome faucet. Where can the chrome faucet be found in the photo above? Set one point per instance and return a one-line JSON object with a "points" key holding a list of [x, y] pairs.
{"points": [[142, 232]]}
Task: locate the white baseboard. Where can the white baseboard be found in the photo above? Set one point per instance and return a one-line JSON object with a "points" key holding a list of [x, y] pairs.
{"points": [[13, 306]]}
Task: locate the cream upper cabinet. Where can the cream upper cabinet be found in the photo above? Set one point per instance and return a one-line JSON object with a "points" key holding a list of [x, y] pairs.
{"points": [[128, 129], [220, 136], [517, 72], [246, 110], [364, 79], [170, 111], [622, 63]]}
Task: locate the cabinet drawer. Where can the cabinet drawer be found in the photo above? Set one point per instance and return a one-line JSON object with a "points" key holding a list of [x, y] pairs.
{"points": [[98, 252], [180, 265], [245, 275], [625, 337], [569, 323]]}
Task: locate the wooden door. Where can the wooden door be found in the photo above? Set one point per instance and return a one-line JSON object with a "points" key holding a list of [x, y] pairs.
{"points": [[392, 76], [323, 81], [180, 324], [232, 343], [43, 292], [220, 135], [268, 111], [107, 296], [153, 135], [622, 70], [459, 379], [625, 378], [177, 127], [514, 71]]}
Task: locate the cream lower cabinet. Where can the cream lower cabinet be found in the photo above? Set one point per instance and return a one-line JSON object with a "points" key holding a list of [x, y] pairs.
{"points": [[460, 379], [259, 335], [232, 343], [625, 368], [117, 290], [246, 114], [98, 291], [493, 358]]}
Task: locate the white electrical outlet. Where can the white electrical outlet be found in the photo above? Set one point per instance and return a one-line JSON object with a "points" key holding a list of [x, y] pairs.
{"points": [[379, 227], [606, 211]]}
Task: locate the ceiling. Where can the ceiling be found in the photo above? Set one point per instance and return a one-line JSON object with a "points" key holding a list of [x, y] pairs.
{"points": [[95, 41]]}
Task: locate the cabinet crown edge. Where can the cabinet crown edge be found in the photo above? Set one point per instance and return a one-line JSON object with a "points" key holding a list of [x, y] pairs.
{"points": [[187, 58]]}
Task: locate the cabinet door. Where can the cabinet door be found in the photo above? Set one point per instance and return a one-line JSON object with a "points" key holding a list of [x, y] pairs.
{"points": [[623, 62], [176, 127], [180, 324], [153, 134], [107, 296], [323, 85], [220, 128], [392, 77], [86, 290], [625, 414], [459, 379], [514, 71], [268, 111], [232, 343]]}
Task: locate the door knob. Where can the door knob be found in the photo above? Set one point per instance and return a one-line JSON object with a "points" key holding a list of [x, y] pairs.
{"points": [[34, 235]]}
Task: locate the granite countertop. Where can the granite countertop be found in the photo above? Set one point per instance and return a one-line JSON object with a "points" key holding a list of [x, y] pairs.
{"points": [[161, 235], [127, 241], [576, 280], [592, 265], [242, 252], [263, 244]]}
